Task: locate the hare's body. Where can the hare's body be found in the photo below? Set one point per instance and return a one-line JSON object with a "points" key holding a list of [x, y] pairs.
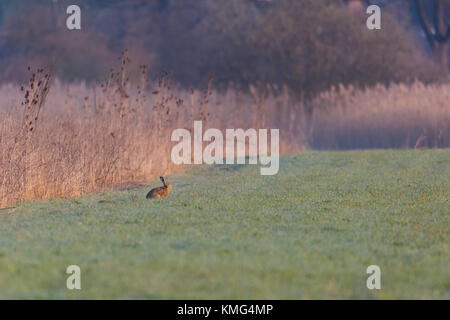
{"points": [[160, 192], [156, 193]]}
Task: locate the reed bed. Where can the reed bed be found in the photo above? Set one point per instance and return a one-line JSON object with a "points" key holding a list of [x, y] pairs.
{"points": [[63, 140], [84, 139], [398, 116]]}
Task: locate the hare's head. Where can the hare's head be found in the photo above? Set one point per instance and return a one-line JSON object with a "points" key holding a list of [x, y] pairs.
{"points": [[168, 186]]}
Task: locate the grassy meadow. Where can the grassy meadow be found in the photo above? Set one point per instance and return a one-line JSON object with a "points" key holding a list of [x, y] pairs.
{"points": [[228, 232]]}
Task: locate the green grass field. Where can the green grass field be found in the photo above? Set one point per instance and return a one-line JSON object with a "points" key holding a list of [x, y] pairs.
{"points": [[227, 232]]}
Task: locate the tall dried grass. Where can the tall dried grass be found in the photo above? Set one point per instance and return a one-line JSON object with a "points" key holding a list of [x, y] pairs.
{"points": [[73, 139], [400, 116], [85, 139]]}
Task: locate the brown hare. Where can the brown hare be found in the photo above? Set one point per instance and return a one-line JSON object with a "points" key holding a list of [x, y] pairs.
{"points": [[160, 192]]}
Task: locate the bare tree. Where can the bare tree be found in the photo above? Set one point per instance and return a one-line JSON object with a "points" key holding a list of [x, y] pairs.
{"points": [[437, 29]]}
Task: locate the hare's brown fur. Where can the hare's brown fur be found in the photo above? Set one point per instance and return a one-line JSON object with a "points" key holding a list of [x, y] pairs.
{"points": [[160, 192]]}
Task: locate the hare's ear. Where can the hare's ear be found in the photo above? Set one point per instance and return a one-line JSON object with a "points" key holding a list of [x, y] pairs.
{"points": [[162, 180]]}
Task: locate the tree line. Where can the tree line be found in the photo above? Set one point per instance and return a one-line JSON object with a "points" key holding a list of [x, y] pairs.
{"points": [[304, 44]]}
